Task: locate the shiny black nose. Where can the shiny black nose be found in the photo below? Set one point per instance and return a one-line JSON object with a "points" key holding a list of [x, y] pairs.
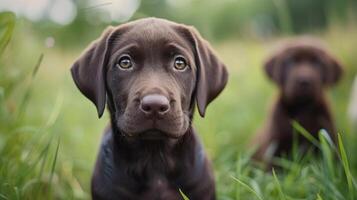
{"points": [[155, 104]]}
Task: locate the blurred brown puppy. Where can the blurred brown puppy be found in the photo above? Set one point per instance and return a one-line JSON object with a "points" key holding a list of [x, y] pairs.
{"points": [[151, 73], [302, 69]]}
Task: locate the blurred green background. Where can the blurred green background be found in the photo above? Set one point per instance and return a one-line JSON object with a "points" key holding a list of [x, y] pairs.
{"points": [[50, 133]]}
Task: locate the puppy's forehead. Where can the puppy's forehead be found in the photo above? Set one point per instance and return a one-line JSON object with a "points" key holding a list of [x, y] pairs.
{"points": [[303, 52], [152, 32]]}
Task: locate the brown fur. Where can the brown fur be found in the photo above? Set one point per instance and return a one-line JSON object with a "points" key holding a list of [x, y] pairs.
{"points": [[302, 69], [150, 149]]}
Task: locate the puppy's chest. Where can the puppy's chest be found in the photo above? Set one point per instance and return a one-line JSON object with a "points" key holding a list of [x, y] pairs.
{"points": [[312, 122], [157, 179], [152, 184], [161, 188]]}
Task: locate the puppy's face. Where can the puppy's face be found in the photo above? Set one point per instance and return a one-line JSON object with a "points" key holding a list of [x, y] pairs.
{"points": [[150, 81], [152, 72], [302, 77], [301, 71]]}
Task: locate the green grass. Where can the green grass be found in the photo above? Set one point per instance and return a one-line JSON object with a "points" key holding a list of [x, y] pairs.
{"points": [[50, 134]]}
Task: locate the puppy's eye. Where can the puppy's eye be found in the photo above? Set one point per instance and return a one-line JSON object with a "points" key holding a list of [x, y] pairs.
{"points": [[124, 63], [180, 63]]}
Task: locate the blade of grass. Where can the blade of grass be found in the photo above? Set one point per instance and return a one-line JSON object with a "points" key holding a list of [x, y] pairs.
{"points": [[7, 20], [247, 187], [56, 111], [346, 167], [280, 190], [328, 187], [43, 158], [183, 195], [295, 147], [96, 6], [238, 172], [17, 193], [3, 197], [242, 161], [324, 133], [51, 120], [305, 133], [28, 91], [318, 197], [37, 66], [327, 153], [55, 160]]}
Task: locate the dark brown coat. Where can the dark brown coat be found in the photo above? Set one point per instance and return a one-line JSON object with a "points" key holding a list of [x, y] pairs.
{"points": [[151, 73], [301, 69]]}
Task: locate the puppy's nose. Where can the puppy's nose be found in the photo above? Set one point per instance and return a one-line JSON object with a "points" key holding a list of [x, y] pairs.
{"points": [[155, 104], [304, 82]]}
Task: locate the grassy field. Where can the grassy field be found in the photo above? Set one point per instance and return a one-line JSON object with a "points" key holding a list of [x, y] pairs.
{"points": [[50, 133]]}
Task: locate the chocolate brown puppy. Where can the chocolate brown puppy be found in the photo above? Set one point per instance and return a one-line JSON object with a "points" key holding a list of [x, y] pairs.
{"points": [[302, 69], [151, 73]]}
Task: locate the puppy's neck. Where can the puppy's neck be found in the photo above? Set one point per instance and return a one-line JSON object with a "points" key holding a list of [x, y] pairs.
{"points": [[144, 157]]}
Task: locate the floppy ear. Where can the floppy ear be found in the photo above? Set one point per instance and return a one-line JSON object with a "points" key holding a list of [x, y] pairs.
{"points": [[334, 69], [212, 75], [269, 67], [272, 67], [88, 71]]}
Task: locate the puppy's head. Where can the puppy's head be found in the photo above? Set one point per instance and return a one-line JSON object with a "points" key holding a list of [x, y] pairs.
{"points": [[301, 69], [150, 72]]}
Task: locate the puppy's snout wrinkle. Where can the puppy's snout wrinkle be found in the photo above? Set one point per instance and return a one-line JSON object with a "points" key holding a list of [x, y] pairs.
{"points": [[154, 104]]}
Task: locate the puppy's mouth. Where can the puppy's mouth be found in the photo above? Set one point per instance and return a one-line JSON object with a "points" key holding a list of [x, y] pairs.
{"points": [[301, 94], [152, 134], [137, 125], [301, 98]]}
